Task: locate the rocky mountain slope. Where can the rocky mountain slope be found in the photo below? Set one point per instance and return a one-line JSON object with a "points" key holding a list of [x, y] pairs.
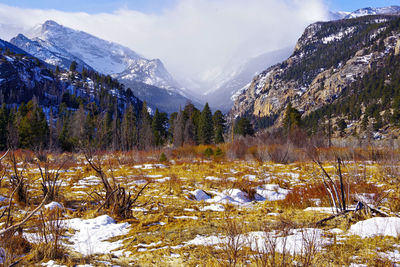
{"points": [[59, 46], [328, 58], [233, 82], [23, 77]]}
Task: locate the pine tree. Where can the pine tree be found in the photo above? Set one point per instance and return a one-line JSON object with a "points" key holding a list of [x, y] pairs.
{"points": [[364, 123], [342, 125], [32, 126], [3, 127], [73, 66], [116, 133], [146, 138], [292, 118], [64, 138], [206, 129], [104, 132], [219, 127], [243, 127], [12, 129], [129, 130], [52, 127], [57, 72], [171, 122], [84, 74], [158, 126], [189, 133]]}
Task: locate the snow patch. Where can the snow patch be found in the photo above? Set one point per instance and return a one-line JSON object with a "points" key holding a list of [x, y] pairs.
{"points": [[54, 205], [52, 263], [389, 226], [212, 207], [338, 36], [91, 235], [271, 192], [294, 243]]}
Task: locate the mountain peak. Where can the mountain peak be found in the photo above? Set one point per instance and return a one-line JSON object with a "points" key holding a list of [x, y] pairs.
{"points": [[59, 46], [20, 36], [52, 26], [51, 23]]}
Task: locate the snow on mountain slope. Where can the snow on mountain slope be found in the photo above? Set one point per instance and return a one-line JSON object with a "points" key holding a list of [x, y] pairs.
{"points": [[46, 51], [390, 10], [336, 15], [60, 45], [6, 45], [151, 72], [103, 56]]}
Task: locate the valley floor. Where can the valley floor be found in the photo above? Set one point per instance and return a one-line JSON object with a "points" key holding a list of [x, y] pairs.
{"points": [[208, 212]]}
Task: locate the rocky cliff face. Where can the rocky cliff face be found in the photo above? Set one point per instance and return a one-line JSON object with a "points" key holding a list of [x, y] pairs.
{"points": [[328, 58]]}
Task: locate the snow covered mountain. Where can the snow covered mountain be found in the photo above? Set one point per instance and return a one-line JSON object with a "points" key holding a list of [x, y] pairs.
{"points": [[59, 45], [4, 45], [23, 77], [390, 10], [49, 53]]}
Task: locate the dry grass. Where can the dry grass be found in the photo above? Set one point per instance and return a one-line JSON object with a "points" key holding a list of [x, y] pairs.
{"points": [[166, 219]]}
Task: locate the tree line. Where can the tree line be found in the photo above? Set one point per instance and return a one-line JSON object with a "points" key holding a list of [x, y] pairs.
{"points": [[31, 126], [75, 109]]}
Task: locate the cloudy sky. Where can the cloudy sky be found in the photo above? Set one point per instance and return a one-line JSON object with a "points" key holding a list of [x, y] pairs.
{"points": [[195, 39]]}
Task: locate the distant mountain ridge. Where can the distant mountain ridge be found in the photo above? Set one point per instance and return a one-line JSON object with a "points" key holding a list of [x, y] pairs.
{"points": [[390, 10]]}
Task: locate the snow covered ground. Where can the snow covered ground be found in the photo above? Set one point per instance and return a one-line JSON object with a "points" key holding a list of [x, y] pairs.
{"points": [[90, 235], [383, 226]]}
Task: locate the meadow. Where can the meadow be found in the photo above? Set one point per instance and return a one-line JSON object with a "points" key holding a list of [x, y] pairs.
{"points": [[231, 205]]}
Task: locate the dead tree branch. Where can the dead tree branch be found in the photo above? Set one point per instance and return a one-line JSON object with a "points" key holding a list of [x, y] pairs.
{"points": [[15, 226], [116, 199], [5, 154]]}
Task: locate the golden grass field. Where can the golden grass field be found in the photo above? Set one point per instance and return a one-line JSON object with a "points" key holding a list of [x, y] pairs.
{"points": [[197, 211]]}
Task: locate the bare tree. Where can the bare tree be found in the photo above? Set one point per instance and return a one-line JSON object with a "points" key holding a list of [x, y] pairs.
{"points": [[50, 177], [116, 197], [16, 177], [10, 227]]}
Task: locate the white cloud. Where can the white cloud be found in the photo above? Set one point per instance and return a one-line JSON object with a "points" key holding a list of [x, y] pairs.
{"points": [[192, 37]]}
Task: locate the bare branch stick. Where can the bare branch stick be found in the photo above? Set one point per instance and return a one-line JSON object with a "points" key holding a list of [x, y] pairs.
{"points": [[12, 227]]}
